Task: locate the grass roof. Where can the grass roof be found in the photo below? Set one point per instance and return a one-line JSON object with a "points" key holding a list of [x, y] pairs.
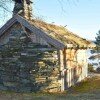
{"points": [[62, 34]]}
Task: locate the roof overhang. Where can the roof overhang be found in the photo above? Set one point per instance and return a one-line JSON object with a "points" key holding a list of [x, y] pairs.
{"points": [[56, 43], [34, 29]]}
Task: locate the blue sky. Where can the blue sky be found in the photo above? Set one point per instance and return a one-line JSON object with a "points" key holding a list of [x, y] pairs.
{"points": [[81, 16]]}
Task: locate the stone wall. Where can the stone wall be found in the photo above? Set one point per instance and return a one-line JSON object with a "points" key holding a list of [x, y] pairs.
{"points": [[27, 66]]}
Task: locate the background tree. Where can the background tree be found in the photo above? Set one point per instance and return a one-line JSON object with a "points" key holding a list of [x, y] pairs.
{"points": [[96, 51], [90, 68], [6, 8], [4, 5]]}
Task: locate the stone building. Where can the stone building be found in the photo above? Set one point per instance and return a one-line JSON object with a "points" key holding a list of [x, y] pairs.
{"points": [[37, 56]]}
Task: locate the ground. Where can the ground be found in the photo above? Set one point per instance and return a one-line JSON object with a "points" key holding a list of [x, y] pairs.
{"points": [[89, 89]]}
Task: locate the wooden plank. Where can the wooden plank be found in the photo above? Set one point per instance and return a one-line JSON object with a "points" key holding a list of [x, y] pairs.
{"points": [[7, 25], [56, 43]]}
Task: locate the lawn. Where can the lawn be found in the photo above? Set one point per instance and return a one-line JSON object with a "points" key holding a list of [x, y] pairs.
{"points": [[89, 89]]}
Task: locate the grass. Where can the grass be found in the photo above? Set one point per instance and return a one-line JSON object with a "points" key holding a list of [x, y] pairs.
{"points": [[88, 85], [89, 89]]}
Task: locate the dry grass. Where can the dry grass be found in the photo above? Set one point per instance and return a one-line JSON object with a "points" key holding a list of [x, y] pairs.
{"points": [[62, 33], [88, 85]]}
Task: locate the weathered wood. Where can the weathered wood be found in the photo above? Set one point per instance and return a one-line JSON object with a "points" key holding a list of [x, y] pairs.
{"points": [[7, 25], [61, 64], [56, 43]]}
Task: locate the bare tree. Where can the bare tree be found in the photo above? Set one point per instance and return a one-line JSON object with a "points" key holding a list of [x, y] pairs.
{"points": [[5, 9], [3, 4]]}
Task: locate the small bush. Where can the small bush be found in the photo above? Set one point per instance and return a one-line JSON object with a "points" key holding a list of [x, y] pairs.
{"points": [[98, 70], [90, 68]]}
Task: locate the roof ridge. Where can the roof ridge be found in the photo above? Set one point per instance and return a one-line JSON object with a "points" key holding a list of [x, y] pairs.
{"points": [[59, 40]]}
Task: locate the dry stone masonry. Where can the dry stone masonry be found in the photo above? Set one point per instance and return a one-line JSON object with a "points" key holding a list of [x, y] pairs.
{"points": [[27, 66]]}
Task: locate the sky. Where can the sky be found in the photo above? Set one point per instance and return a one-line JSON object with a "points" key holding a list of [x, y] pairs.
{"points": [[81, 16]]}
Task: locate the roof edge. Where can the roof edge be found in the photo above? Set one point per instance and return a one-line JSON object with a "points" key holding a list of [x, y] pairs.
{"points": [[7, 25], [56, 43]]}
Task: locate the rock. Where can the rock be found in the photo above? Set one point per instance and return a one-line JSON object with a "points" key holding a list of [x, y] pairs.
{"points": [[24, 89], [3, 87], [10, 84], [25, 81]]}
